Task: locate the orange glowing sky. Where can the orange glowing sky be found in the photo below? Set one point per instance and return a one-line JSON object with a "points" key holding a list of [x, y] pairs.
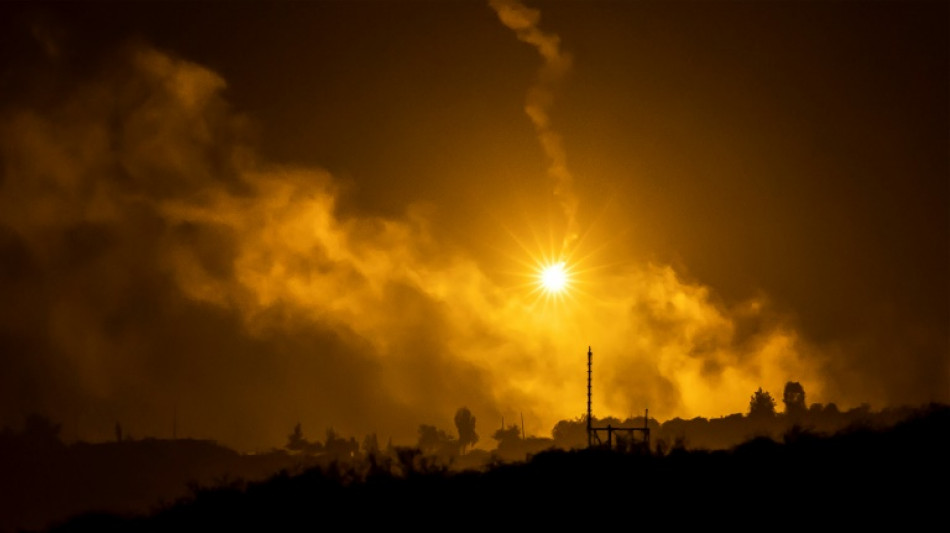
{"points": [[344, 213]]}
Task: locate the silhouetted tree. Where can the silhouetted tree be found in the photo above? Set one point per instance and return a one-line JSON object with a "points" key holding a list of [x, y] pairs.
{"points": [[761, 405], [505, 435], [570, 434], [298, 443], [41, 431], [860, 415], [408, 459], [794, 399], [433, 440], [118, 432], [339, 447], [510, 444], [371, 444], [465, 424]]}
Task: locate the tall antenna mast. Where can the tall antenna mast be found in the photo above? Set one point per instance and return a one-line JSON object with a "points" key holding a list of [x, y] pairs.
{"points": [[592, 432], [590, 370]]}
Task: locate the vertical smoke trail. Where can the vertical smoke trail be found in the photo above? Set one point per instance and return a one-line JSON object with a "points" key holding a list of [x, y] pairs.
{"points": [[524, 22]]}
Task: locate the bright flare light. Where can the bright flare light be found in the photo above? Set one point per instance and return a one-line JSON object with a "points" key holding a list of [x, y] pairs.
{"points": [[554, 278]]}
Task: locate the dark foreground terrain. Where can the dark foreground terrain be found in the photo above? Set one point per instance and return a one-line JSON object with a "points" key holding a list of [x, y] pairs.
{"points": [[856, 478]]}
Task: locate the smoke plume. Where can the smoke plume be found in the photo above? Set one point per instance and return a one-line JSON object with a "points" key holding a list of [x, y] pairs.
{"points": [[557, 63]]}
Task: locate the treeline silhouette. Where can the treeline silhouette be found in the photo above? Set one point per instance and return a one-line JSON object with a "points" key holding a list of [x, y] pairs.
{"points": [[45, 481], [854, 478]]}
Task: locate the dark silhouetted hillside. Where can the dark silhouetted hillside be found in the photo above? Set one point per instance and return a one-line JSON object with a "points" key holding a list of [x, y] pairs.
{"points": [[44, 480], [854, 478]]}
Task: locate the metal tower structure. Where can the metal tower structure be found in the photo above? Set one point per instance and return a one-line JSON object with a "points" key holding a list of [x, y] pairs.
{"points": [[593, 433], [590, 370]]}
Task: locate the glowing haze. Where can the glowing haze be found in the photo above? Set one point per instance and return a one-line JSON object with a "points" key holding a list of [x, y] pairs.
{"points": [[168, 252]]}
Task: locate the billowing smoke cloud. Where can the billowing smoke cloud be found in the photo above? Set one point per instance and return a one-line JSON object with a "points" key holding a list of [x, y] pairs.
{"points": [[152, 264], [156, 267], [557, 63]]}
